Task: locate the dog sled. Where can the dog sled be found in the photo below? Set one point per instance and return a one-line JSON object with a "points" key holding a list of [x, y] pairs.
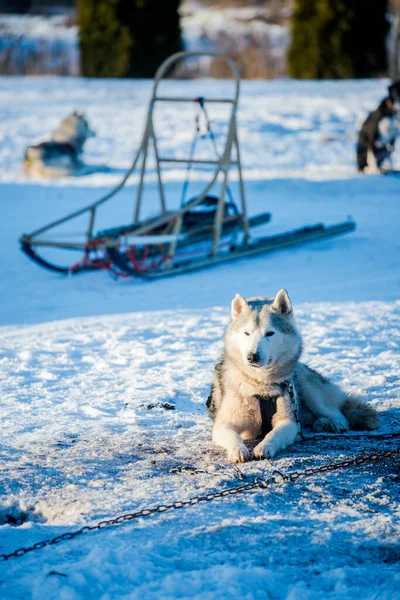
{"points": [[205, 230]]}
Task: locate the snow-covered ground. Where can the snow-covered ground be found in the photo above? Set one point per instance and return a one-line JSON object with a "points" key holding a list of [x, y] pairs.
{"points": [[89, 365], [303, 130]]}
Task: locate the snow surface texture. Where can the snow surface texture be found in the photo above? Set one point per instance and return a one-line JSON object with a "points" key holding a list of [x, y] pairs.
{"points": [[87, 428], [87, 435]]}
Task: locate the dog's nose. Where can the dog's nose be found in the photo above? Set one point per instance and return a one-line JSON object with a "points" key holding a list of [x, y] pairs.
{"points": [[253, 357]]}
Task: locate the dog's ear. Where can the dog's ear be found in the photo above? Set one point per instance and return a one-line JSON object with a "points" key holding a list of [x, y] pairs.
{"points": [[239, 306], [282, 303]]}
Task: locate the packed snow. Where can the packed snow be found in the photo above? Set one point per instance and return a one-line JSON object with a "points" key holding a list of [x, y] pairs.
{"points": [[104, 382]]}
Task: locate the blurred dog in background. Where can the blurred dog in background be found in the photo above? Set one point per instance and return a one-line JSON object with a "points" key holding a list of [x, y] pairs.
{"points": [[378, 134], [59, 156]]}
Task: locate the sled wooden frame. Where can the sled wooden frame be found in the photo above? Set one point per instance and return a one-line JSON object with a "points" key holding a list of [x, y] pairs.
{"points": [[30, 243]]}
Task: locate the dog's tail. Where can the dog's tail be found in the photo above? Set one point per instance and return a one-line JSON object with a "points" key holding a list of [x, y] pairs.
{"points": [[360, 414]]}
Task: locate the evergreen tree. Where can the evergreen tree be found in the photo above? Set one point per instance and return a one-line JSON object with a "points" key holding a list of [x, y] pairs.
{"points": [[105, 43], [19, 7], [338, 39], [367, 47], [127, 38], [154, 25]]}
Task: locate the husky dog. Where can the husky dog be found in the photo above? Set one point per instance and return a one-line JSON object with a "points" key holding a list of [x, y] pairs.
{"points": [[378, 134], [259, 378], [59, 156]]}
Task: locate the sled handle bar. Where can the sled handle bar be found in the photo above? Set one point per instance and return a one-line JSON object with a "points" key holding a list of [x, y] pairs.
{"points": [[164, 68], [179, 56]]}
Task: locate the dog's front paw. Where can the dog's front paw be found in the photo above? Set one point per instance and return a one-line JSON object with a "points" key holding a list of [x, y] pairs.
{"points": [[239, 454], [264, 450]]}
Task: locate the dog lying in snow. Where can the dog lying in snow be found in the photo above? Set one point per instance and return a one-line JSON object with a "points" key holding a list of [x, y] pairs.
{"points": [[59, 156], [260, 385], [378, 134]]}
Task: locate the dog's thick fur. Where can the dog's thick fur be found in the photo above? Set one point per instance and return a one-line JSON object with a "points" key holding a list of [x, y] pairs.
{"points": [[59, 156], [378, 134], [261, 354]]}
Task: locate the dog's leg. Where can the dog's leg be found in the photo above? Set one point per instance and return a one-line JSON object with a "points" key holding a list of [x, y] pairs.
{"points": [[325, 400], [227, 438], [284, 431], [389, 158], [333, 422], [372, 167], [282, 436], [326, 406]]}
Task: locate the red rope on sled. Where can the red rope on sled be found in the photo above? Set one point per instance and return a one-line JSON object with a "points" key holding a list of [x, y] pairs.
{"points": [[97, 263], [140, 266]]}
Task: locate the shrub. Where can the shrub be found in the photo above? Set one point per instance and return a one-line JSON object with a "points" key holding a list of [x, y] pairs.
{"points": [[338, 39], [154, 26], [104, 42], [120, 38]]}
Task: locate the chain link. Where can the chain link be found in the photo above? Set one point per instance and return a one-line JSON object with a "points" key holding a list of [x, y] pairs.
{"points": [[258, 483], [293, 401], [352, 436]]}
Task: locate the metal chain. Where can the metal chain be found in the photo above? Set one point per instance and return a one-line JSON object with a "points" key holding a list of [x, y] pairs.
{"points": [[352, 436], [293, 401], [258, 483]]}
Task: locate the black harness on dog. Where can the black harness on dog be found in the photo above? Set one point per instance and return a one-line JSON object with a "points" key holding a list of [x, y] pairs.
{"points": [[59, 147], [267, 407]]}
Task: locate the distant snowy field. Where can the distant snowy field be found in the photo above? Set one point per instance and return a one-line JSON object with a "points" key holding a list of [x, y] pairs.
{"points": [[296, 130], [87, 363], [32, 44]]}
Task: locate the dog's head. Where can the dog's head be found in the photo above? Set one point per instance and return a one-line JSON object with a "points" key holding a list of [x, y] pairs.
{"points": [[73, 130], [262, 333]]}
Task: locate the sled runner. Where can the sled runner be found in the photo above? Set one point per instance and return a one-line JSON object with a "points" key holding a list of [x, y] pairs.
{"points": [[205, 230]]}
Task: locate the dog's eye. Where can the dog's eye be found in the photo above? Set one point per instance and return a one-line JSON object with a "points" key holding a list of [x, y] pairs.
{"points": [[246, 333], [269, 333]]}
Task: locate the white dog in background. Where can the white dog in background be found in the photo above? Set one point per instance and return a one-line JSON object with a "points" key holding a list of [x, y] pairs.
{"points": [[59, 156]]}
